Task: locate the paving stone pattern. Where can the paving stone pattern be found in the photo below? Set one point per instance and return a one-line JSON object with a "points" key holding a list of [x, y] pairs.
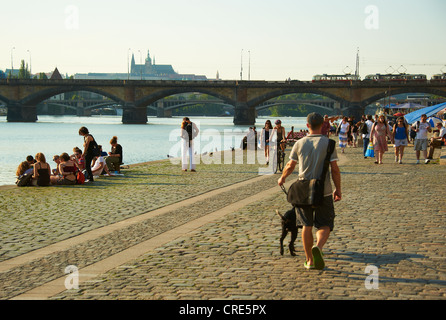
{"points": [[391, 218]]}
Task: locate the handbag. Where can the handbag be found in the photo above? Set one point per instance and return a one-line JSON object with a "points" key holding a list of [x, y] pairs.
{"points": [[310, 193], [370, 151]]}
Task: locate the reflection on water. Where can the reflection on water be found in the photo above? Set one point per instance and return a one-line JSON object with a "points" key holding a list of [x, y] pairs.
{"points": [[56, 134]]}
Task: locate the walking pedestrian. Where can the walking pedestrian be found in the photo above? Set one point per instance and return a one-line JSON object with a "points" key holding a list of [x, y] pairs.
{"points": [[366, 129], [400, 138], [421, 128], [343, 133], [309, 154], [378, 136], [188, 133], [264, 139]]}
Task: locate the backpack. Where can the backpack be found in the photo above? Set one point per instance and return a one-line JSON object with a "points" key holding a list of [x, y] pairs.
{"points": [[413, 133], [364, 128], [80, 178], [24, 180]]}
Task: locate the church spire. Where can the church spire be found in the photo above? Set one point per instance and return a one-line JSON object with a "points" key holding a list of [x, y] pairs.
{"points": [[132, 65], [148, 60]]}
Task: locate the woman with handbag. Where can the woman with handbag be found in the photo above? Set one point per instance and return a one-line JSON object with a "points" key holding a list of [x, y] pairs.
{"points": [[378, 137]]}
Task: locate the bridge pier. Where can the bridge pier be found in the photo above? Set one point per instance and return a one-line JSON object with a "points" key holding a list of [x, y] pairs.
{"points": [[18, 112], [81, 111], [355, 110], [244, 115], [134, 115], [161, 112], [337, 108]]}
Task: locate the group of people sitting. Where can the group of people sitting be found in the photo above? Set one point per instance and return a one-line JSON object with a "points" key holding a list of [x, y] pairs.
{"points": [[36, 171]]}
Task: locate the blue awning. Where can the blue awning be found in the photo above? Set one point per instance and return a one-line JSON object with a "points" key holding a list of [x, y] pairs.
{"points": [[428, 111], [407, 105]]}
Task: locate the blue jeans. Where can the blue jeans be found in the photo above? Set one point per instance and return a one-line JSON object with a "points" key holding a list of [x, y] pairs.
{"points": [[366, 145]]}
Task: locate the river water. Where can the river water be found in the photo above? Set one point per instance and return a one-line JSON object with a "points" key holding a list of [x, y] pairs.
{"points": [[155, 140]]}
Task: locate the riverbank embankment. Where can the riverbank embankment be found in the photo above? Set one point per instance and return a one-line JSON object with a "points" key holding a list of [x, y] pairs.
{"points": [[217, 237]]}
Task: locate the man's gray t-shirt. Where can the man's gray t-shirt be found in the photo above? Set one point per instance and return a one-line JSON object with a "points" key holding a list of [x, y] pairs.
{"points": [[310, 153]]}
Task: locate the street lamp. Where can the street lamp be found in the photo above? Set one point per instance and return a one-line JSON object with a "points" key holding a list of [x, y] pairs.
{"points": [[12, 62], [249, 65], [241, 65], [140, 63], [29, 62], [128, 64]]}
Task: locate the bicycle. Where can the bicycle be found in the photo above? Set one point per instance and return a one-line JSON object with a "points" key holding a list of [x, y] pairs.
{"points": [[280, 163]]}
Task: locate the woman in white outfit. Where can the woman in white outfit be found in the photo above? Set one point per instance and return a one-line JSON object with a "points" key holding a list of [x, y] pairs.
{"points": [[188, 133]]}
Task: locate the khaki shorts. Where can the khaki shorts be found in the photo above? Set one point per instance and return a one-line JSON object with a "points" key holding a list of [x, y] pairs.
{"points": [[420, 145]]}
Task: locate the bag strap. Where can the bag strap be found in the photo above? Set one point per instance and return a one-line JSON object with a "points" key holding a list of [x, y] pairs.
{"points": [[330, 149]]}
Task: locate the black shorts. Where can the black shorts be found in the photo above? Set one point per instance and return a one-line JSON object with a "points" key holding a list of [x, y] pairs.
{"points": [[322, 216]]}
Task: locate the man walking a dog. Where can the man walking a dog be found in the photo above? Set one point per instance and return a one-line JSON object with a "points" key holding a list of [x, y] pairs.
{"points": [[309, 154]]}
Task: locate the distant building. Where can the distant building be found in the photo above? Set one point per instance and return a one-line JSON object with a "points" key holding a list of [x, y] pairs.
{"points": [[146, 71], [15, 72], [56, 75]]}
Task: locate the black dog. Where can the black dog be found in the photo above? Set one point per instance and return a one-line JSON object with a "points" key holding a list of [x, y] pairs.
{"points": [[288, 224]]}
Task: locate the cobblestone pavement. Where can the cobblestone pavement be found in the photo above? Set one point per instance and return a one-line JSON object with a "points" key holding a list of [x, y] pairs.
{"points": [[388, 242]]}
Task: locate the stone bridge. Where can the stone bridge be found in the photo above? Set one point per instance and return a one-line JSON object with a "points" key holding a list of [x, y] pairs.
{"points": [[22, 96]]}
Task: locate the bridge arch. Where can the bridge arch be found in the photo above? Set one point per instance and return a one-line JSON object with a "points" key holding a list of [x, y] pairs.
{"points": [[266, 106], [277, 93], [42, 95], [393, 92], [4, 99], [197, 102], [149, 99]]}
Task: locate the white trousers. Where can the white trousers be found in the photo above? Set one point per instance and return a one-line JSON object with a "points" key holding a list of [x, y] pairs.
{"points": [[187, 151]]}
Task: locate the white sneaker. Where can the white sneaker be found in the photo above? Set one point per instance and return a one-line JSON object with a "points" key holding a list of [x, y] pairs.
{"points": [[400, 162], [426, 161], [418, 161]]}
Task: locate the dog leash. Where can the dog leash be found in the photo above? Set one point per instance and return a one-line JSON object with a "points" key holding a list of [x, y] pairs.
{"points": [[283, 189]]}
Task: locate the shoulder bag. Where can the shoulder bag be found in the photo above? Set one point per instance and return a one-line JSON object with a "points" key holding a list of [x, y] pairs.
{"points": [[310, 193]]}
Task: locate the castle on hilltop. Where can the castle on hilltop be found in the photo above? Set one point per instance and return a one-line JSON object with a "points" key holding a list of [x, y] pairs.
{"points": [[146, 71], [151, 69]]}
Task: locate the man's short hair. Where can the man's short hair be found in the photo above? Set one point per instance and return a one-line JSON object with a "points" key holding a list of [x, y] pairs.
{"points": [[315, 120]]}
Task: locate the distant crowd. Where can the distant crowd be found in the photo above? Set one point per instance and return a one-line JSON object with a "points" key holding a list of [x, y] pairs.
{"points": [[376, 132], [80, 167]]}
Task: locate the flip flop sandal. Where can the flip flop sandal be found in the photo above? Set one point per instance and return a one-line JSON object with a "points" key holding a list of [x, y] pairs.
{"points": [[308, 266], [318, 258]]}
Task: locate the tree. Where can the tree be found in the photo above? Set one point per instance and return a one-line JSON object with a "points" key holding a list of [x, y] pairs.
{"points": [[23, 71]]}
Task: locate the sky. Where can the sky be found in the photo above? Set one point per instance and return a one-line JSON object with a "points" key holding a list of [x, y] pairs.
{"points": [[266, 40]]}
